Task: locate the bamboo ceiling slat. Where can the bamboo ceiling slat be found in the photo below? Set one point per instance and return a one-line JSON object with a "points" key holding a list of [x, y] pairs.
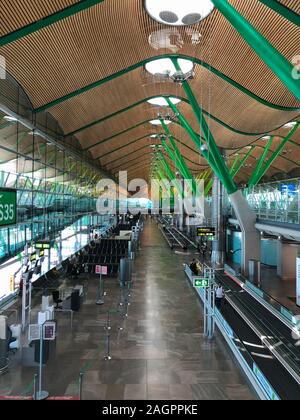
{"points": [[56, 68], [114, 35], [19, 13], [220, 98]]}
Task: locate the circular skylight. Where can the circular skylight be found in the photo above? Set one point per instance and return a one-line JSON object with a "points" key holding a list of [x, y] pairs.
{"points": [[158, 122], [165, 67], [161, 101], [179, 12]]}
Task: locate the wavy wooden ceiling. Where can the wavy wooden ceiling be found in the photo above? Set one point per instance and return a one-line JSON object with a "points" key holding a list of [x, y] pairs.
{"points": [[116, 34]]}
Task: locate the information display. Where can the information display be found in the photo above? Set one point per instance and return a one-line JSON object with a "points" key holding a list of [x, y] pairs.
{"points": [[43, 245], [206, 231], [8, 207]]}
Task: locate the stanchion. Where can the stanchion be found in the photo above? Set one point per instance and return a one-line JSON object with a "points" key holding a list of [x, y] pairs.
{"points": [[108, 355], [35, 379], [81, 375], [108, 326]]}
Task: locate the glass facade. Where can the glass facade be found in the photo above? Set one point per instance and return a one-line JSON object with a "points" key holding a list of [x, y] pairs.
{"points": [[276, 201], [55, 188]]}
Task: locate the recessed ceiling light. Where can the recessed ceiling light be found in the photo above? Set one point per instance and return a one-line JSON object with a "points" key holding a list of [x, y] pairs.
{"points": [[9, 118], [158, 122], [179, 12], [161, 101], [164, 67]]}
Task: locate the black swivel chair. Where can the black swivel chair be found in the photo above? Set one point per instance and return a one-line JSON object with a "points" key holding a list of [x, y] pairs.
{"points": [[56, 299]]}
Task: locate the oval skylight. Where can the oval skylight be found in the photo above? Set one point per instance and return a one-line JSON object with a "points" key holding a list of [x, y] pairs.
{"points": [[165, 67], [179, 12], [161, 101], [158, 122]]}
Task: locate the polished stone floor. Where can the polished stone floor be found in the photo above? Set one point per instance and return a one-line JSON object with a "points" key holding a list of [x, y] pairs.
{"points": [[158, 351]]}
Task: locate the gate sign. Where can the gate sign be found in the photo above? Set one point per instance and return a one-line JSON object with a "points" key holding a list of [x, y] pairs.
{"points": [[201, 283], [8, 207], [101, 270]]}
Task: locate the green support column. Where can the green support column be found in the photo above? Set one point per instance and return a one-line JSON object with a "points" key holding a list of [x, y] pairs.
{"points": [[170, 174], [178, 155], [208, 187], [47, 21], [213, 154], [275, 155], [175, 160], [236, 160], [197, 141], [263, 48], [243, 161], [260, 163]]}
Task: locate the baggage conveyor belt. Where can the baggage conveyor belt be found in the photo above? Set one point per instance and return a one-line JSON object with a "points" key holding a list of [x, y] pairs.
{"points": [[277, 334]]}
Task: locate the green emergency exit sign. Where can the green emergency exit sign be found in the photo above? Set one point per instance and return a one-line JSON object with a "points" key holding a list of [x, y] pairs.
{"points": [[201, 283], [8, 207]]}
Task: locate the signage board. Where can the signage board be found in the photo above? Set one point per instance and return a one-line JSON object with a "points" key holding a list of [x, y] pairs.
{"points": [[8, 207], [201, 283], [33, 257], [41, 253], [34, 332], [49, 331], [101, 270], [206, 231], [43, 245]]}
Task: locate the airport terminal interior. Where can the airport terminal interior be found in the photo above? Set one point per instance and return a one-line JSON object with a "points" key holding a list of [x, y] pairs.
{"points": [[150, 200]]}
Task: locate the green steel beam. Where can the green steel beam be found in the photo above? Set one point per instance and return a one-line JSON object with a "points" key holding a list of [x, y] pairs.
{"points": [[116, 135], [136, 164], [178, 158], [282, 10], [143, 63], [122, 147], [125, 156], [234, 164], [261, 162], [142, 138], [196, 139], [208, 187], [170, 173], [280, 66], [175, 160], [214, 154], [276, 154], [47, 21], [128, 161], [145, 100], [243, 161]]}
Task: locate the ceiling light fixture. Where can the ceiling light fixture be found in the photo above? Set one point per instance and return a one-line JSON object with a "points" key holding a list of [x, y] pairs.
{"points": [[161, 101], [179, 12]]}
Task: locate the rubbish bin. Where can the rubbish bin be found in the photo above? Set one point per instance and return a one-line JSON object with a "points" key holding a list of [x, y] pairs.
{"points": [[255, 272]]}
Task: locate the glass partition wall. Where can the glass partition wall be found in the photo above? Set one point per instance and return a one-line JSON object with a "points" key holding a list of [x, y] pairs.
{"points": [[55, 190]]}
